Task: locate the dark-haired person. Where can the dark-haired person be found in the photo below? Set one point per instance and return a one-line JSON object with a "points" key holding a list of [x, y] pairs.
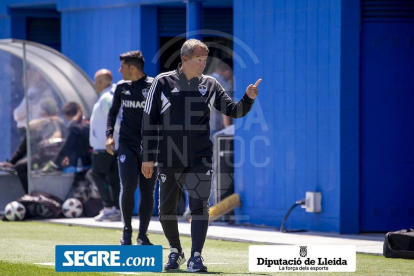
{"points": [[47, 127], [76, 146], [179, 103], [130, 94]]}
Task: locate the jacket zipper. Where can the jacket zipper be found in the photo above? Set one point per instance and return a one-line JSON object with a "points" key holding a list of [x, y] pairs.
{"points": [[189, 133]]}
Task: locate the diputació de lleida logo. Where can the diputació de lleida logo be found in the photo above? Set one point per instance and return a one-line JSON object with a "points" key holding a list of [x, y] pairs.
{"points": [[303, 251]]}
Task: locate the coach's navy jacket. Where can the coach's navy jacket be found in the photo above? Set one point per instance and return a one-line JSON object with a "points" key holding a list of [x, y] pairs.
{"points": [[181, 109]]}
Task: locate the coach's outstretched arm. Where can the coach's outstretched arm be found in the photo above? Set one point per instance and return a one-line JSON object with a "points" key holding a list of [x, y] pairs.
{"points": [[227, 106], [150, 121]]}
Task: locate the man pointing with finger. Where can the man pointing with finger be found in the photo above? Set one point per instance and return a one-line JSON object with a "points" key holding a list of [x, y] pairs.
{"points": [[175, 133]]}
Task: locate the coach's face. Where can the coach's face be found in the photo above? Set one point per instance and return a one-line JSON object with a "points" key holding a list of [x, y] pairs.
{"points": [[125, 70], [197, 63]]}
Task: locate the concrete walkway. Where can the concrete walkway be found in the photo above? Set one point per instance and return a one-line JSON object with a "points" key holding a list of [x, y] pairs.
{"points": [[365, 243]]}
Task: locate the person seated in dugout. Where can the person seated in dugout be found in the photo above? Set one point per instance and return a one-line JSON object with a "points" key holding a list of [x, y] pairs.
{"points": [[76, 151], [47, 134], [37, 89]]}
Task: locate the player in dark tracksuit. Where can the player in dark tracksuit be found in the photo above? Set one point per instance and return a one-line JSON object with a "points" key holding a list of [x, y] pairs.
{"points": [[179, 103], [130, 94]]}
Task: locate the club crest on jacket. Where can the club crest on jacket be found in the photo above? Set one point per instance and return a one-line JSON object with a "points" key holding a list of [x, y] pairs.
{"points": [[202, 89], [145, 92], [122, 158]]}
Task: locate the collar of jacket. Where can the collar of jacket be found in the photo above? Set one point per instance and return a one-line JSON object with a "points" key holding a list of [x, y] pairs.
{"points": [[182, 76], [140, 81]]}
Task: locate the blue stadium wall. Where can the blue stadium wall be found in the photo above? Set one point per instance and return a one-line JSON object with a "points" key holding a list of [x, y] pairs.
{"points": [[307, 55], [303, 133]]}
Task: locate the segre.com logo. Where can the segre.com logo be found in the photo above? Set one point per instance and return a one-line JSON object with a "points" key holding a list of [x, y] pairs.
{"points": [[108, 258]]}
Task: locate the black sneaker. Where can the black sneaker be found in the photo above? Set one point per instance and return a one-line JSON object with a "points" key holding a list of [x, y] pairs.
{"points": [[195, 264], [175, 259], [143, 240], [126, 237]]}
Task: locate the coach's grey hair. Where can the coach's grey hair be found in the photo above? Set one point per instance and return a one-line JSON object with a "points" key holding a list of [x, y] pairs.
{"points": [[188, 47]]}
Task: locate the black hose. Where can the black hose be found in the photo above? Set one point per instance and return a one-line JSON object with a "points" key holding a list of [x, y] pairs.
{"points": [[282, 228]]}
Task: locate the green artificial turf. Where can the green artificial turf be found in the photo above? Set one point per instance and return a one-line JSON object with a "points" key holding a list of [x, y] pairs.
{"points": [[22, 244]]}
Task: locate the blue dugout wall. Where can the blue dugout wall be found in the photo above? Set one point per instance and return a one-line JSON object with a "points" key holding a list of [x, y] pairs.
{"points": [[108, 29]]}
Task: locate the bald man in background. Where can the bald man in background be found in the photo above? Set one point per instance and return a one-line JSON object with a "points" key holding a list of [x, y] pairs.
{"points": [[104, 165]]}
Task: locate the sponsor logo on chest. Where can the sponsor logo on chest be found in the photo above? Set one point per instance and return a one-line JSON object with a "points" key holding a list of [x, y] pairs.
{"points": [[133, 104]]}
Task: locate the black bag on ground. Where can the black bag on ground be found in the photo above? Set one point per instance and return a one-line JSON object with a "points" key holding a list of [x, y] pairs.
{"points": [[399, 244], [41, 205]]}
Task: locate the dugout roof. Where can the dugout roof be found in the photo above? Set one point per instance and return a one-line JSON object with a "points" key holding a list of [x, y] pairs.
{"points": [[69, 81]]}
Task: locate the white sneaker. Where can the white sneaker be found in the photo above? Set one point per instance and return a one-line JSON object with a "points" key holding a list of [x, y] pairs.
{"points": [[106, 214]]}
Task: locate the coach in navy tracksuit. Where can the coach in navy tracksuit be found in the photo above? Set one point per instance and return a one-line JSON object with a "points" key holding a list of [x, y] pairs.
{"points": [[179, 104], [131, 94]]}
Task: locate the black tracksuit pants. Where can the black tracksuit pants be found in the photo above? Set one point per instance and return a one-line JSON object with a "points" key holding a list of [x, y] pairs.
{"points": [[106, 176], [129, 163], [197, 181]]}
